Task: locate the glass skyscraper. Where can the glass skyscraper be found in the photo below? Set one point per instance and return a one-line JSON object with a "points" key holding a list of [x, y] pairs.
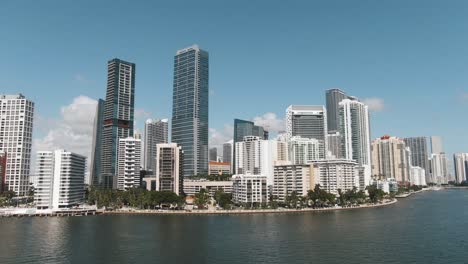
{"points": [[190, 108], [333, 99]]}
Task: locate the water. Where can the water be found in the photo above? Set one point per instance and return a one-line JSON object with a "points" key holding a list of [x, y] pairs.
{"points": [[430, 227]]}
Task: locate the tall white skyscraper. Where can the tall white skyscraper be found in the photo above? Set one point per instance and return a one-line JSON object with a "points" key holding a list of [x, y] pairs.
{"points": [[307, 121], [156, 132], [60, 183], [460, 161], [128, 163], [355, 131], [16, 117]]}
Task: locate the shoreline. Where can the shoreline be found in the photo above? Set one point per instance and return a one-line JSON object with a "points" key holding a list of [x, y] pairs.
{"points": [[240, 212]]}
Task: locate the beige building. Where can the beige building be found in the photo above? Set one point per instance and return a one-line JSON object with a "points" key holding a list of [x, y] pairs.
{"points": [[290, 178], [219, 168], [391, 159]]}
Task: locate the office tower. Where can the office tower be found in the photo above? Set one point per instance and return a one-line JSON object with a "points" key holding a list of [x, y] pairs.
{"points": [[439, 173], [118, 117], [156, 132], [16, 125], [228, 149], [169, 174], [391, 159], [419, 153], [244, 128], [307, 121], [460, 161], [249, 189], [97, 144], [333, 98], [128, 164], [436, 145], [190, 108], [213, 154], [290, 178], [335, 174], [304, 150], [334, 140], [355, 130], [3, 159], [61, 176]]}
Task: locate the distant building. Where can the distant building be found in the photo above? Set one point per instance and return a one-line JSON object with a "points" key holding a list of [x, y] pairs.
{"points": [[419, 153], [460, 161], [61, 176], [190, 108], [439, 173], [290, 178], [213, 154], [418, 176], [156, 132], [389, 185], [307, 121], [334, 145], [391, 159], [95, 169], [304, 150], [333, 98], [16, 115], [335, 174], [244, 128], [228, 149], [436, 145], [219, 168], [128, 164], [192, 187], [249, 189]]}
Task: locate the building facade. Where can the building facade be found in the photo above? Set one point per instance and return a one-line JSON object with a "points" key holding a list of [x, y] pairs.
{"points": [[228, 151], [16, 127], [169, 168], [418, 176], [419, 153], [249, 189], [304, 150], [128, 164], [334, 141], [190, 108], [335, 174], [156, 132], [213, 154], [290, 178], [219, 168], [333, 98], [460, 161], [391, 159], [192, 186], [118, 117], [244, 128], [439, 172], [3, 160], [61, 176]]}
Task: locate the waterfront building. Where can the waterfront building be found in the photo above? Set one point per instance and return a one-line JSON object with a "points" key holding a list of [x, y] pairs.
{"points": [[460, 161], [3, 160], [156, 132], [419, 153], [219, 168], [96, 155], [417, 176], [213, 154], [249, 189], [355, 130], [333, 98], [228, 149], [190, 108], [118, 118], [244, 128], [439, 174], [307, 121], [304, 150], [128, 164], [192, 186], [389, 185], [334, 141], [335, 174], [16, 117], [61, 176], [391, 159], [290, 178]]}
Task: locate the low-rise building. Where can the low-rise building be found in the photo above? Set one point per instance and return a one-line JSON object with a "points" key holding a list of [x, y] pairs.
{"points": [[290, 178], [336, 174], [249, 189], [219, 168], [192, 187]]}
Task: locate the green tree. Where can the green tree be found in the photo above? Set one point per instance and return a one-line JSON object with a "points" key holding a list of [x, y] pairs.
{"points": [[201, 199]]}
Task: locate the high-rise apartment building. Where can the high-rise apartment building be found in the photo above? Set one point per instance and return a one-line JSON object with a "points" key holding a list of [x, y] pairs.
{"points": [[290, 178], [117, 118], [337, 174], [190, 108], [333, 98], [169, 174], [156, 132], [355, 130], [307, 121], [334, 149], [460, 161], [244, 128], [16, 125], [61, 176], [128, 164], [419, 153], [391, 159], [304, 150], [439, 172]]}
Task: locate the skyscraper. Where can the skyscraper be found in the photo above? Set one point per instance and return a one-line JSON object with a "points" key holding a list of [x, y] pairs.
{"points": [[128, 163], [228, 149], [244, 128], [436, 145], [461, 167], [354, 126], [156, 132], [213, 154], [117, 117], [333, 98], [169, 175], [16, 125], [308, 121], [97, 144], [190, 108], [391, 159], [419, 153]]}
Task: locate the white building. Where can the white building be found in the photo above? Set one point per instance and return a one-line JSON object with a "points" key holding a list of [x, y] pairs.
{"points": [[304, 150], [290, 178], [460, 161], [439, 174], [335, 174], [388, 185], [61, 176], [418, 176], [191, 187], [334, 141], [249, 189], [156, 132], [128, 163], [355, 130], [308, 121], [16, 117], [169, 174]]}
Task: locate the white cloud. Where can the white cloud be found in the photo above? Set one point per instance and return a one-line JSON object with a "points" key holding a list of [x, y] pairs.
{"points": [[270, 122], [73, 131], [375, 104]]}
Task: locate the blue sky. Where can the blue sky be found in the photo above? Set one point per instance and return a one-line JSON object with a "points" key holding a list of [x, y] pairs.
{"points": [[264, 56]]}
